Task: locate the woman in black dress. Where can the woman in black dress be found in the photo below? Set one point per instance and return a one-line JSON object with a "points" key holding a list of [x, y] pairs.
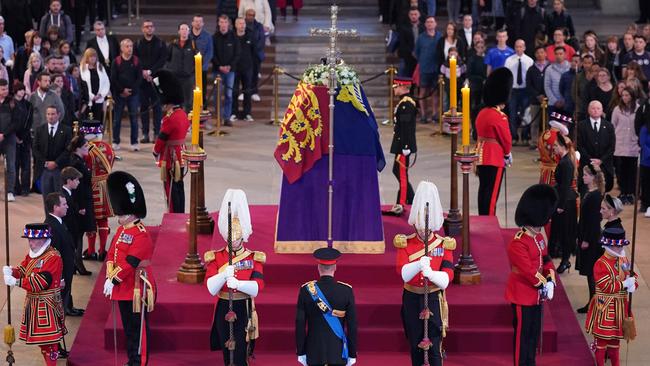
{"points": [[589, 248], [610, 208], [78, 149], [564, 222]]}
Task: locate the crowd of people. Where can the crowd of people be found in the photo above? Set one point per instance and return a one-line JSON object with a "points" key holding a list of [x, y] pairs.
{"points": [[42, 64], [552, 67]]}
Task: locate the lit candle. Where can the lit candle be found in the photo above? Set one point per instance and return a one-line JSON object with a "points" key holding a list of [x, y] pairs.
{"points": [[198, 70], [196, 115], [452, 83], [465, 92]]}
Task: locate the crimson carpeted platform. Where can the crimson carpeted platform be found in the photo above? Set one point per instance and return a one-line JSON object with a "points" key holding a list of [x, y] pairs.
{"points": [[480, 319]]}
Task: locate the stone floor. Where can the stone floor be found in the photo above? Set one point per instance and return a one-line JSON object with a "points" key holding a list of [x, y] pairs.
{"points": [[244, 159]]}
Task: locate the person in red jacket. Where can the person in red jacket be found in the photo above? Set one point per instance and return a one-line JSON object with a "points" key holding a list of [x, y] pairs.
{"points": [[40, 275], [128, 263], [532, 279], [244, 277], [494, 140], [609, 307], [414, 265], [169, 145]]}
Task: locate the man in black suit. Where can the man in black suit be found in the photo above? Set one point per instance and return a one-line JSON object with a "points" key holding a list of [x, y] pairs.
{"points": [[106, 45], [50, 150], [408, 34], [596, 141], [325, 308], [466, 33], [57, 207]]}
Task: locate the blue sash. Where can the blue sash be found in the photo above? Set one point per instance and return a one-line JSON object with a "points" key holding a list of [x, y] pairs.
{"points": [[331, 320]]}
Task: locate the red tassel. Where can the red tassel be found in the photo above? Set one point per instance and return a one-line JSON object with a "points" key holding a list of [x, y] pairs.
{"points": [[425, 344], [425, 314], [231, 317]]}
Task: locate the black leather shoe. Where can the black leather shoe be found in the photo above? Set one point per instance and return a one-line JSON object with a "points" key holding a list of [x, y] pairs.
{"points": [[563, 267], [583, 310], [101, 256], [73, 312], [62, 353], [83, 272], [88, 257], [145, 140]]}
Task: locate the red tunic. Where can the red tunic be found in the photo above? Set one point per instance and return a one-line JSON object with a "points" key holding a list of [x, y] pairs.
{"points": [[171, 140], [494, 139], [249, 265], [43, 319], [130, 249], [411, 248], [530, 267], [547, 159], [608, 307], [100, 161]]}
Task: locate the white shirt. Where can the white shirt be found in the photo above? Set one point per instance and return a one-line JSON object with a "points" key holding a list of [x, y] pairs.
{"points": [[49, 128], [468, 36], [593, 122], [103, 47], [67, 190], [41, 94], [512, 63], [448, 46]]}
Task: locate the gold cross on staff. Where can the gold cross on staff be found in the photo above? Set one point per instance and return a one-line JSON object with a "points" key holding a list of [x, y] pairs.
{"points": [[333, 33]]}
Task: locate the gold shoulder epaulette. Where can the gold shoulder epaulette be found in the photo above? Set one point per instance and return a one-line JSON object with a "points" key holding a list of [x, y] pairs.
{"points": [[141, 227], [343, 283], [307, 283], [448, 243], [408, 99], [259, 257], [519, 234], [208, 256], [399, 241]]}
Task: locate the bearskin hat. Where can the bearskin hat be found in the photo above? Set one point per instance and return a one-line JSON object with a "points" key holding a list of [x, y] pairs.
{"points": [[497, 87], [126, 194], [168, 87], [536, 205]]}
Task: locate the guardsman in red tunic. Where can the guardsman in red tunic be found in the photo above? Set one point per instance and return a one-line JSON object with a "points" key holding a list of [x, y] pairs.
{"points": [[494, 140], [245, 278], [99, 161], [608, 309], [129, 279], [414, 265], [532, 277], [169, 145], [39, 274]]}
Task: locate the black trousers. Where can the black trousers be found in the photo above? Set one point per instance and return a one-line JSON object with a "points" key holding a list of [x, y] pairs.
{"points": [[645, 185], [412, 305], [489, 186], [68, 275], [220, 334], [131, 324], [177, 197], [625, 173], [149, 99], [243, 84], [527, 323], [401, 172], [23, 167]]}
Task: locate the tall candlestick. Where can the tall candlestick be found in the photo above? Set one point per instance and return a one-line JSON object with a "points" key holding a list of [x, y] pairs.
{"points": [[465, 92], [196, 115], [452, 83], [198, 71]]}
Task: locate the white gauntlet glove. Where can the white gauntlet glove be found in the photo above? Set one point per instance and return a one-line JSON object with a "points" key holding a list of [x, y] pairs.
{"points": [[405, 152], [550, 290], [10, 280], [438, 278], [7, 271], [302, 359], [351, 361], [108, 288], [630, 284], [232, 283], [425, 262]]}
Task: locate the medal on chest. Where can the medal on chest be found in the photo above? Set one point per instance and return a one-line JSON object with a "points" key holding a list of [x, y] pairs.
{"points": [[244, 265], [40, 264], [126, 238]]}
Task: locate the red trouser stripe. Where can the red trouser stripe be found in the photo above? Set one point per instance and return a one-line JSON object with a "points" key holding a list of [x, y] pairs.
{"points": [[143, 353], [403, 180], [518, 334], [495, 192]]}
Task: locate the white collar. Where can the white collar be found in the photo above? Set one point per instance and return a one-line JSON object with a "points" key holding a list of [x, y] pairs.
{"points": [[67, 190], [57, 218], [613, 253], [104, 38], [467, 30], [55, 126], [41, 94], [594, 120], [40, 251]]}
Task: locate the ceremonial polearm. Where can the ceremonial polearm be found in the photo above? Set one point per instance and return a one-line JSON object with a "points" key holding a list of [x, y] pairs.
{"points": [[333, 33], [230, 315]]}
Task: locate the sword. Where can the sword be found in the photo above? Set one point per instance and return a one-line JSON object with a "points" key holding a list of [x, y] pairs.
{"points": [[114, 330], [143, 308]]}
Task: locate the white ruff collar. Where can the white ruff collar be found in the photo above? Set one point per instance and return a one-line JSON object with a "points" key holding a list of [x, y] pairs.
{"points": [[38, 253]]}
